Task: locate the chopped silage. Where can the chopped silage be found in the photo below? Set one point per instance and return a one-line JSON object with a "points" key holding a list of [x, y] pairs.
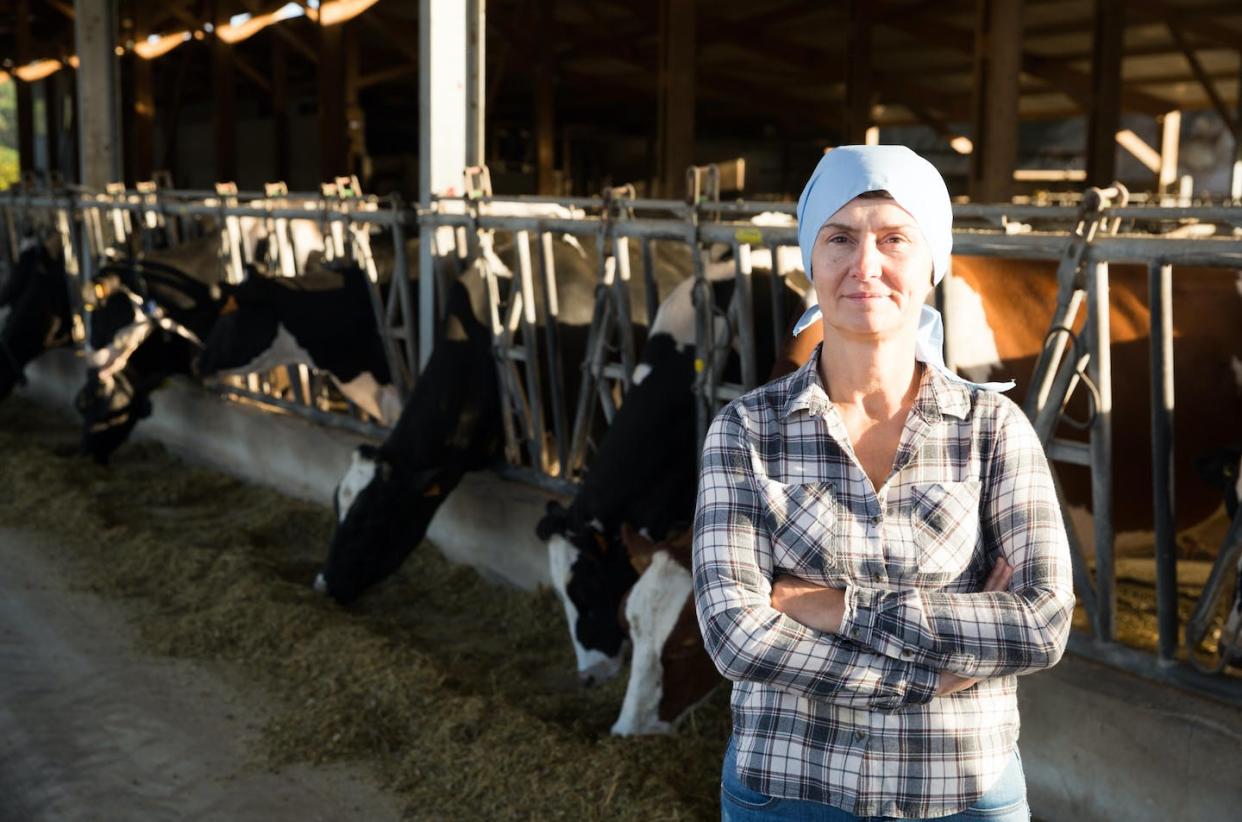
{"points": [[460, 694]]}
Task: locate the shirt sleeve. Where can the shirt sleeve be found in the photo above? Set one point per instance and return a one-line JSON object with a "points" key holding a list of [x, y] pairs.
{"points": [[748, 639], [1018, 631]]}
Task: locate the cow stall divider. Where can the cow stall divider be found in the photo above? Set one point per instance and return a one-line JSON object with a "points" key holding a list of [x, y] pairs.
{"points": [[545, 448]]}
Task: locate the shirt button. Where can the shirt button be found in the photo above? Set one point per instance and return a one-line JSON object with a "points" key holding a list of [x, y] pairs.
{"points": [[860, 735], [877, 577], [877, 520], [907, 654], [854, 632]]}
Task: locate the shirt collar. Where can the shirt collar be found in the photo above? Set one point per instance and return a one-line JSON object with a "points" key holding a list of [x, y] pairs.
{"points": [[938, 397]]}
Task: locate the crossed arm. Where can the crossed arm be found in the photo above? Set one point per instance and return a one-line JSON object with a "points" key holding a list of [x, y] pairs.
{"points": [[789, 632]]}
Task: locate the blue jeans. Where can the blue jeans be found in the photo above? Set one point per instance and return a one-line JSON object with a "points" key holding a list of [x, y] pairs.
{"points": [[1004, 802]]}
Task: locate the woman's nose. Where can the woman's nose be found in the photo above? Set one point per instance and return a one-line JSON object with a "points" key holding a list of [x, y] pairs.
{"points": [[867, 261]]}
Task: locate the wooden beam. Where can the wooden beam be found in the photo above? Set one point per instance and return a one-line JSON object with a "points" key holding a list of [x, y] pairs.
{"points": [[141, 121], [676, 95], [1201, 26], [280, 106], [1069, 81], [998, 65], [1104, 112], [25, 99], [283, 32], [1235, 177], [859, 91], [331, 84], [1170, 143], [64, 8], [224, 108], [404, 44], [1196, 68], [545, 101], [382, 76]]}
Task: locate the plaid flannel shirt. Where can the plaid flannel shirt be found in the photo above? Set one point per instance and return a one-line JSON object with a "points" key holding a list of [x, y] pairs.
{"points": [[851, 719]]}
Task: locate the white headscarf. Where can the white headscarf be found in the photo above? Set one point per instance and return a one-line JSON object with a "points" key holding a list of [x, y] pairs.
{"points": [[917, 187]]}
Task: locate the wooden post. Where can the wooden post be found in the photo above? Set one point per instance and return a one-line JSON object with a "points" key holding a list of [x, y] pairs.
{"points": [[998, 64], [355, 117], [476, 80], [141, 117], [859, 89], [280, 107], [1104, 115], [51, 119], [332, 144], [224, 112], [1235, 183], [675, 98], [1170, 141], [545, 100], [64, 84], [98, 111], [25, 96]]}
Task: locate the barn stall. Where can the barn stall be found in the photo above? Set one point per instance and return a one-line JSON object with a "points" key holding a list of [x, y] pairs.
{"points": [[1128, 600]]}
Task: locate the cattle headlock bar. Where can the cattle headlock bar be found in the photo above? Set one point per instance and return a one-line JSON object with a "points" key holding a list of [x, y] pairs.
{"points": [[1044, 233]]}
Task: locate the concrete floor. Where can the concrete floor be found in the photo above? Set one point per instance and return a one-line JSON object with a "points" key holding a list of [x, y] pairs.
{"points": [[90, 729]]}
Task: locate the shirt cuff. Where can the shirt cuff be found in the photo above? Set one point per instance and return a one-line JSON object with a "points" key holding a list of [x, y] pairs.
{"points": [[910, 684], [859, 617]]}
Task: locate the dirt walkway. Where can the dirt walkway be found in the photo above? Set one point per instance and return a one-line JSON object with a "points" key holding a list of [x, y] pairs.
{"points": [[91, 729]]}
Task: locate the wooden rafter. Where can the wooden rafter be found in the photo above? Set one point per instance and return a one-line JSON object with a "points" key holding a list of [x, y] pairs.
{"points": [[1209, 87], [1070, 81]]}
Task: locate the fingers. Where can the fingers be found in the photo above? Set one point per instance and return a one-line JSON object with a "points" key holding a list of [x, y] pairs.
{"points": [[952, 683], [999, 577]]}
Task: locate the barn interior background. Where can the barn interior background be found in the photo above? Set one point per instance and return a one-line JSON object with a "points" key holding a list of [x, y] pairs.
{"points": [[127, 126], [582, 95]]}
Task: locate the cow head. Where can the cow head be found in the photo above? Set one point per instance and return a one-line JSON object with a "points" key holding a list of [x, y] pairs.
{"points": [[670, 670], [591, 575], [134, 348], [383, 510], [110, 406]]}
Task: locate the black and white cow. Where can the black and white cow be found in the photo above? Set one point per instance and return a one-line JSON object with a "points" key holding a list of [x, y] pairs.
{"points": [[322, 318], [452, 421], [39, 317], [147, 322], [639, 490]]}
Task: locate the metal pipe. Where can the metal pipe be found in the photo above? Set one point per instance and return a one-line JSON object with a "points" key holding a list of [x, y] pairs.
{"points": [[1099, 369], [744, 305], [401, 285], [1160, 300], [552, 346]]}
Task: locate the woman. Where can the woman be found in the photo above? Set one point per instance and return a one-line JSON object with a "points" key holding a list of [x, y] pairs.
{"points": [[878, 549]]}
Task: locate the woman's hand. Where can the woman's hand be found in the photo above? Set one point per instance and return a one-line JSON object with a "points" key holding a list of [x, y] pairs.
{"points": [[814, 606], [998, 580]]}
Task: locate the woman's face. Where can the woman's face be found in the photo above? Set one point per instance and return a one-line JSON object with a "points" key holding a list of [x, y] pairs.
{"points": [[872, 269]]}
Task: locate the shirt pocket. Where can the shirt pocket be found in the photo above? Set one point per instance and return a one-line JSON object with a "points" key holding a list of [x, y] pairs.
{"points": [[946, 528], [803, 522]]}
